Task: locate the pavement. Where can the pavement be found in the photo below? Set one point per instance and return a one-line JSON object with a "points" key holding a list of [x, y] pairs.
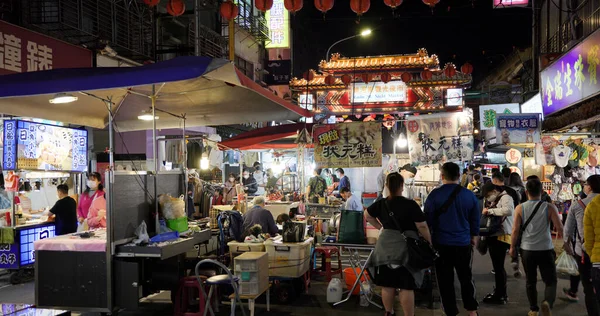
{"points": [[315, 302]]}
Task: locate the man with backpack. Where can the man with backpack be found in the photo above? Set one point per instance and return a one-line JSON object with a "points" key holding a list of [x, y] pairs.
{"points": [[316, 187], [532, 236]]}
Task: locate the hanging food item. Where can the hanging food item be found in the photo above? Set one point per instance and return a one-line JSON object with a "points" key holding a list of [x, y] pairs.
{"points": [[330, 80], [360, 6], [450, 70], [386, 77], [176, 7], [263, 5], [426, 74], [466, 69], [346, 79], [324, 5], [293, 5], [151, 3], [393, 3], [366, 78], [406, 77], [229, 10]]}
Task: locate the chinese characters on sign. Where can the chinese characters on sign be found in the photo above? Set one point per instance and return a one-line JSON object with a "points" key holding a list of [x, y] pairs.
{"points": [[279, 72], [8, 256], [440, 137], [518, 128], [572, 77], [23, 51], [373, 92], [487, 113], [348, 145], [278, 19]]}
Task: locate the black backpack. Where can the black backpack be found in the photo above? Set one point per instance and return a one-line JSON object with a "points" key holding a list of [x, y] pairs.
{"points": [[231, 225]]}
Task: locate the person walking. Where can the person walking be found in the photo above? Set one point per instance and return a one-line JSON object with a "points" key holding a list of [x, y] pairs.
{"points": [[573, 237], [591, 236], [532, 228], [453, 216]]}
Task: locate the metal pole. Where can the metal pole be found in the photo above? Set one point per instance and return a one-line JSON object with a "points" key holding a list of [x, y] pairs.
{"points": [[109, 179], [197, 29], [155, 154], [184, 166], [231, 33]]}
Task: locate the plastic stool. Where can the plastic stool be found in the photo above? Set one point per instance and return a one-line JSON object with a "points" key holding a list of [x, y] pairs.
{"points": [[325, 268], [182, 297]]}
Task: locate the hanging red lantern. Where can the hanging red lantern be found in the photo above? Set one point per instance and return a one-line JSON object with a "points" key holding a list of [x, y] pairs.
{"points": [[309, 75], [229, 10], [392, 3], [426, 74], [176, 7], [293, 5], [330, 80], [151, 3], [360, 6], [346, 79], [263, 5], [450, 70], [406, 77], [466, 69], [324, 5], [431, 3], [366, 78], [386, 77]]}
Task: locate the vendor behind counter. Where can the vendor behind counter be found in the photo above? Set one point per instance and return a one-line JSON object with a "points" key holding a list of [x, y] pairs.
{"points": [[64, 211], [261, 216]]}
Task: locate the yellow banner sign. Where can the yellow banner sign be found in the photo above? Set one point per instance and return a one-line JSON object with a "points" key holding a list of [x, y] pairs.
{"points": [[348, 145]]}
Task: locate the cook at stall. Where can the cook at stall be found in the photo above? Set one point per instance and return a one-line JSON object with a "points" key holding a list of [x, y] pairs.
{"points": [[94, 190], [64, 211]]}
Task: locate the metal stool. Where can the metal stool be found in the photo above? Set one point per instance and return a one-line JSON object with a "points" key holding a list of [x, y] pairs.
{"points": [[217, 280], [325, 269]]}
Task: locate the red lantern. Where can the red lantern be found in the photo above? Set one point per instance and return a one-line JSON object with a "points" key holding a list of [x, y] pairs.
{"points": [[406, 77], [330, 80], [176, 7], [293, 5], [324, 5], [346, 79], [386, 77], [431, 3], [426, 74], [151, 3], [450, 71], [392, 3], [309, 75], [360, 6], [229, 10], [263, 5], [466, 69], [366, 78]]}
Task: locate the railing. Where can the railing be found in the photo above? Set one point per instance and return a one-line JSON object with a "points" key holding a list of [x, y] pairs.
{"points": [[567, 32], [255, 25], [212, 44]]}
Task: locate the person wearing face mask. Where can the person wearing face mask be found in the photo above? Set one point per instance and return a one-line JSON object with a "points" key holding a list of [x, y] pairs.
{"points": [[408, 172], [249, 183], [93, 191], [97, 212], [229, 190], [344, 181], [64, 211], [261, 179]]}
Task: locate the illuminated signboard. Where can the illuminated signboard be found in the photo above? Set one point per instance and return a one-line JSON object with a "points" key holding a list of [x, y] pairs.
{"points": [[487, 113], [573, 77], [454, 97], [28, 236], [499, 4], [306, 101], [35, 146], [278, 19], [378, 92], [533, 105]]}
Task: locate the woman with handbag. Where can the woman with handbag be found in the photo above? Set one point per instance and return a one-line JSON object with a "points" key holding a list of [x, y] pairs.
{"points": [[400, 218], [497, 217]]}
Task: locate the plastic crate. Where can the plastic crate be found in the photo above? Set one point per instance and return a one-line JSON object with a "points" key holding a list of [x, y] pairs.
{"points": [[251, 262], [253, 270], [241, 247], [290, 260], [249, 288]]}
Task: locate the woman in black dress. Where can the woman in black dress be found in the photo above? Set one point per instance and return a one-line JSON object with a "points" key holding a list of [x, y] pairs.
{"points": [[397, 213]]}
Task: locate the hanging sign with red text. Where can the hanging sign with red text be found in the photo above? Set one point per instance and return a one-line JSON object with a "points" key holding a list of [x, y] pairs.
{"points": [[348, 145]]}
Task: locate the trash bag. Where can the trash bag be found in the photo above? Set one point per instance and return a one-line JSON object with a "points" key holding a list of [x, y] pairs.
{"points": [[142, 234], [567, 264]]}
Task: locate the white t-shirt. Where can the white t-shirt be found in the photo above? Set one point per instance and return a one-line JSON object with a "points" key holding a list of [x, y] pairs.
{"points": [[562, 154], [353, 203]]}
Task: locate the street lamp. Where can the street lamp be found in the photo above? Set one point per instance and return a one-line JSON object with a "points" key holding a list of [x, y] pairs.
{"points": [[364, 33]]}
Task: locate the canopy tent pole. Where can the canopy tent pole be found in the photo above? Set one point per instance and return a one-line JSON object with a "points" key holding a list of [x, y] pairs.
{"points": [[109, 178], [184, 166], [155, 154]]}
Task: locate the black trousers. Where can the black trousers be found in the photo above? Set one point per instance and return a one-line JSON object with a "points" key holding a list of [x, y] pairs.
{"points": [[459, 258], [585, 276], [544, 260], [497, 250]]}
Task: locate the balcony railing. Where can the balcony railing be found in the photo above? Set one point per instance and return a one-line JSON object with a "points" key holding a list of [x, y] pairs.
{"points": [[211, 43], [255, 25], [567, 33]]}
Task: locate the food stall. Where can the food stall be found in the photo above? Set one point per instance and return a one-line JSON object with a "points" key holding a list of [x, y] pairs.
{"points": [[37, 157], [105, 271]]}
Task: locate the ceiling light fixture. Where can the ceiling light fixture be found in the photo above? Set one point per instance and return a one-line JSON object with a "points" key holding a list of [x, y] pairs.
{"points": [[61, 98], [146, 116]]}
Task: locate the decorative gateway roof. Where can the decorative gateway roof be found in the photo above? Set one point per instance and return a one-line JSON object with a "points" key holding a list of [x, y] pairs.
{"points": [[420, 60], [438, 79]]}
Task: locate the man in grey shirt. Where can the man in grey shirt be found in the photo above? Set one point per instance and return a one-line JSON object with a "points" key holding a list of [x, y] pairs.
{"points": [[259, 215]]}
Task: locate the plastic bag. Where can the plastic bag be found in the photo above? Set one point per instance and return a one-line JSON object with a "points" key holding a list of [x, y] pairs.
{"points": [[567, 264], [172, 208], [83, 227], [142, 234]]}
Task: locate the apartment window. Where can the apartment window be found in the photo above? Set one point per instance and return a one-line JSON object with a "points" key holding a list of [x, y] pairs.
{"points": [[245, 15], [246, 67]]}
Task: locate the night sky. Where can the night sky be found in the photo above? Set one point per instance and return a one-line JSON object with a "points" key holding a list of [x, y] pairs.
{"points": [[457, 31]]}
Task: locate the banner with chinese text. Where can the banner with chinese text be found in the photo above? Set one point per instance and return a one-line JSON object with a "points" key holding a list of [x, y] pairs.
{"points": [[348, 145], [573, 77], [518, 128], [22, 50], [439, 138], [487, 113]]}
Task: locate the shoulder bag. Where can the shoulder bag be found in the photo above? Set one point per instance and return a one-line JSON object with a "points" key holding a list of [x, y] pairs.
{"points": [[491, 225], [522, 229]]}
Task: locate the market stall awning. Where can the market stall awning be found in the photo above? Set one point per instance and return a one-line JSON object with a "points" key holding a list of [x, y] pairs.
{"points": [[208, 91], [272, 137]]}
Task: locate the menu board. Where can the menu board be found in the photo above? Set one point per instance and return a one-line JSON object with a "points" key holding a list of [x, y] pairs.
{"points": [[37, 146]]}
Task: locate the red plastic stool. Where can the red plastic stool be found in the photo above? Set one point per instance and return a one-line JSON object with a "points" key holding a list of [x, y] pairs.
{"points": [[182, 298], [325, 268]]}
